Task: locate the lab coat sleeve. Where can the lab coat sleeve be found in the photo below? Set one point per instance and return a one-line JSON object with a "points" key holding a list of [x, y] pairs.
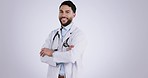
{"points": [[73, 55], [46, 59]]}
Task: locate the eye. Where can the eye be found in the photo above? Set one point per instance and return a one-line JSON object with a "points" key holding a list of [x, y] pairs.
{"points": [[67, 11], [61, 11]]}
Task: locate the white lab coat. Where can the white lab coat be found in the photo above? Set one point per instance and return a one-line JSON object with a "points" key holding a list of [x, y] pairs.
{"points": [[72, 59]]}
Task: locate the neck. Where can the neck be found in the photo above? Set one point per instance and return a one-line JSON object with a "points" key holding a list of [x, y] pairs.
{"points": [[67, 25]]}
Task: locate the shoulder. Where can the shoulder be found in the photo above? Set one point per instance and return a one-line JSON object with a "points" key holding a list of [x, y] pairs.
{"points": [[78, 34], [54, 31], [78, 31]]}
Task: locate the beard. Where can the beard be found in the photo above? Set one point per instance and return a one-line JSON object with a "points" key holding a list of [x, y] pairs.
{"points": [[67, 23]]}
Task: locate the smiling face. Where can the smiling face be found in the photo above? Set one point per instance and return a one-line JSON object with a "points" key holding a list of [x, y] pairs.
{"points": [[66, 15]]}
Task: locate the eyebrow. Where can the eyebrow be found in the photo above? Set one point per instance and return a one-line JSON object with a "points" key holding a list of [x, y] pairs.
{"points": [[65, 10]]}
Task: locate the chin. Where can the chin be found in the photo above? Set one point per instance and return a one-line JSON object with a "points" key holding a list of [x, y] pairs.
{"points": [[63, 24]]}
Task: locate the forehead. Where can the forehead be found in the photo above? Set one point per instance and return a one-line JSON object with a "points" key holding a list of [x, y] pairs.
{"points": [[65, 7]]}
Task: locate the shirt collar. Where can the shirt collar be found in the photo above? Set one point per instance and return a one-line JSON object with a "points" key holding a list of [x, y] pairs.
{"points": [[67, 27]]}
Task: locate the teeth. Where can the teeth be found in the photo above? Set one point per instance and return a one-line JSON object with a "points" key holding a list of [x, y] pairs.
{"points": [[63, 18]]}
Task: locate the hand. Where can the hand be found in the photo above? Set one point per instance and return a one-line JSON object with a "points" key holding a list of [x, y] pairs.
{"points": [[46, 51], [70, 47]]}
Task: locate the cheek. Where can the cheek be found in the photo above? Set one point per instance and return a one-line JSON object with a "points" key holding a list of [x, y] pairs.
{"points": [[71, 17], [59, 15]]}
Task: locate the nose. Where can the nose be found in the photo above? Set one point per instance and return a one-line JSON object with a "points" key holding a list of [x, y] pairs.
{"points": [[63, 14]]}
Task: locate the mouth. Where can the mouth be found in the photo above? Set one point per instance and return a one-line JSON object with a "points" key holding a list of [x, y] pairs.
{"points": [[64, 19]]}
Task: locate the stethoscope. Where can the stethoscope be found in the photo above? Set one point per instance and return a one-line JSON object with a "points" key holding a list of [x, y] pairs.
{"points": [[65, 44]]}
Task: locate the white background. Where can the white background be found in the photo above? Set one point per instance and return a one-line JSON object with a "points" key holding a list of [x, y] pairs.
{"points": [[116, 30]]}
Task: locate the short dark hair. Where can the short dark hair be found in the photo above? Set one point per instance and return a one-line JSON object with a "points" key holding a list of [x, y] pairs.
{"points": [[70, 4]]}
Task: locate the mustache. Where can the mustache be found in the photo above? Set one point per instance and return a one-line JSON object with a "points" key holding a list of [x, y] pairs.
{"points": [[63, 17]]}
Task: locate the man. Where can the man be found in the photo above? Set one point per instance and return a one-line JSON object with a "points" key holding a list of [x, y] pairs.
{"points": [[63, 49]]}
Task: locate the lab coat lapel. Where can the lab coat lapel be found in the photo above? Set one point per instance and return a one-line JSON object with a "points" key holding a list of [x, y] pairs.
{"points": [[56, 43]]}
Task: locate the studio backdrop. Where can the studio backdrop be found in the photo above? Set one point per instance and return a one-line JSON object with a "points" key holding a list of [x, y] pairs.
{"points": [[116, 31]]}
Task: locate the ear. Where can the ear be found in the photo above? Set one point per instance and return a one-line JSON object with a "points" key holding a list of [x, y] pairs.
{"points": [[74, 14]]}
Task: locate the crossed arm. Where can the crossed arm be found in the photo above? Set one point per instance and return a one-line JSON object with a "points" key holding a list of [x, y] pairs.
{"points": [[49, 52]]}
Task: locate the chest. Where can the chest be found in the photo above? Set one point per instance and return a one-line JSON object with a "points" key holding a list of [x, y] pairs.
{"points": [[61, 43]]}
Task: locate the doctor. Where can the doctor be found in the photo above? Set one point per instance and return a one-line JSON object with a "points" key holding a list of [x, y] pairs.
{"points": [[64, 47]]}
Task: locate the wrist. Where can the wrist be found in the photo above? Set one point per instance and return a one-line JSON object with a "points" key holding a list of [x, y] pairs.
{"points": [[50, 53]]}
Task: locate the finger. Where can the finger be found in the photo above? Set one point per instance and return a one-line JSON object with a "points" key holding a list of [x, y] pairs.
{"points": [[71, 46], [68, 49], [41, 51], [42, 48], [41, 54]]}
